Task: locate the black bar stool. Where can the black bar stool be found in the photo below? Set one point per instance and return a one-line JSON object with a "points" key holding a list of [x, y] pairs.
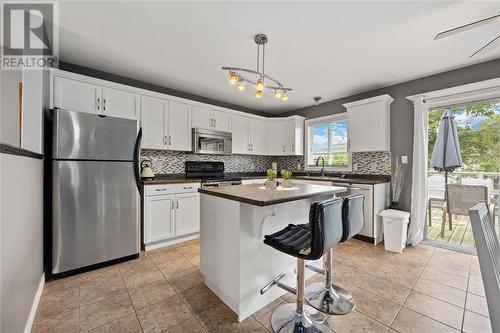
{"points": [[305, 242], [325, 296]]}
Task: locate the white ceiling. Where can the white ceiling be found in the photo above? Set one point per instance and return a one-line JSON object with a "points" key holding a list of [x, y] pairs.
{"points": [[330, 49]]}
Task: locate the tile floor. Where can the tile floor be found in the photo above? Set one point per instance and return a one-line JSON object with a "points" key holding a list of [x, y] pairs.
{"points": [[425, 289]]}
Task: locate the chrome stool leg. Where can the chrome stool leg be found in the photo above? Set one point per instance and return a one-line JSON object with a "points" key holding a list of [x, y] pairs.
{"points": [[327, 297], [299, 318]]}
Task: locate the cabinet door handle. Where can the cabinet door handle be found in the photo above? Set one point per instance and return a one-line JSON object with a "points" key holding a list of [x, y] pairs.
{"points": [[215, 122], [187, 187], [177, 201], [104, 104], [165, 140], [211, 122], [248, 148], [283, 148], [161, 189], [293, 148], [172, 204], [169, 140], [98, 103]]}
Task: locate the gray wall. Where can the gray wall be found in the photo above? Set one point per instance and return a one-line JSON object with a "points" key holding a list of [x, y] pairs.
{"points": [[21, 238], [402, 109]]}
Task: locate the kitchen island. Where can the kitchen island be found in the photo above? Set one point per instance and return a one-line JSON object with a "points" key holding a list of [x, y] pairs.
{"points": [[235, 262]]}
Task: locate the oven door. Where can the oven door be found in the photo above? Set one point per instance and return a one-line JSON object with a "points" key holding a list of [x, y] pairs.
{"points": [[211, 142]]}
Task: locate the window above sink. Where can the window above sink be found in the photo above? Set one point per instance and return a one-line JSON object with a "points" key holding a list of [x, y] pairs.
{"points": [[328, 137]]}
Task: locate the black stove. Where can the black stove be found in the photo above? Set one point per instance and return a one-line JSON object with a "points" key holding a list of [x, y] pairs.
{"points": [[211, 173]]}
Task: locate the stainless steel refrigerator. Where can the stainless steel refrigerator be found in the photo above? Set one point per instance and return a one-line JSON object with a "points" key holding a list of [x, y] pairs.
{"points": [[95, 189]]}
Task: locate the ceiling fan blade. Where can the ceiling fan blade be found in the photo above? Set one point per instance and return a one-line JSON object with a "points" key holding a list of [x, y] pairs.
{"points": [[465, 27], [486, 46]]}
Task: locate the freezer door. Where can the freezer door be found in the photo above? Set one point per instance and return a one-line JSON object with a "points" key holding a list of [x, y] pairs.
{"points": [[95, 213], [79, 135]]}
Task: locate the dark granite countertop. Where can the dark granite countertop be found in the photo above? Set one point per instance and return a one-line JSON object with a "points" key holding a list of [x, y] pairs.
{"points": [[349, 179], [171, 179], [257, 195], [330, 177]]}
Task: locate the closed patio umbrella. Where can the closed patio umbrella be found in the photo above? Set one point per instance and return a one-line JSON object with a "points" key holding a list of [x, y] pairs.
{"points": [[446, 154]]}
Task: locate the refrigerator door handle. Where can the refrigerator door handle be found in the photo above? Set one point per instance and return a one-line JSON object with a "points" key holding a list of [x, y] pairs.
{"points": [[137, 157]]}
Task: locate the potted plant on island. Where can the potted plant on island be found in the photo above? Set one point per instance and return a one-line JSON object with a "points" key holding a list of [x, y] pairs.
{"points": [[287, 178], [271, 182]]}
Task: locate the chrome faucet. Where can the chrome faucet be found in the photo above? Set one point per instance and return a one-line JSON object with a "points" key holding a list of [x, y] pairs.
{"points": [[322, 165]]}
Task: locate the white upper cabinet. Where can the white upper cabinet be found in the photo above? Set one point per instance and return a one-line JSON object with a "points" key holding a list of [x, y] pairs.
{"points": [[369, 124], [294, 136], [152, 121], [81, 96], [75, 95], [286, 136], [211, 119], [249, 135], [258, 137], [118, 103], [165, 124], [202, 118], [179, 126], [240, 135], [222, 121], [276, 137]]}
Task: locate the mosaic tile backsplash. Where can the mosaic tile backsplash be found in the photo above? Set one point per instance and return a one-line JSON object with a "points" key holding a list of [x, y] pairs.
{"points": [[165, 162]]}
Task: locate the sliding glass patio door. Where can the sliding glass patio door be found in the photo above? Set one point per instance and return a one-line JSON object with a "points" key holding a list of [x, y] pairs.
{"points": [[478, 127]]}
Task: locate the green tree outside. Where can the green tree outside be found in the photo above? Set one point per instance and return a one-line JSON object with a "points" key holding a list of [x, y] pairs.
{"points": [[479, 135]]}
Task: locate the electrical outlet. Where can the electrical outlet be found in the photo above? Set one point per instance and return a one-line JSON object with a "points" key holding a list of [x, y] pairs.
{"points": [[355, 167], [373, 166], [385, 167], [299, 166], [404, 159]]}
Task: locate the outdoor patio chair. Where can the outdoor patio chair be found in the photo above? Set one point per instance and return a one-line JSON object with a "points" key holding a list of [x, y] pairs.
{"points": [[435, 192], [488, 254], [460, 198], [488, 182]]}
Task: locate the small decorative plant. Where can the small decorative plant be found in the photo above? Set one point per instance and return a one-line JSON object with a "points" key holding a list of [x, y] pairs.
{"points": [[271, 175], [271, 182], [287, 178]]}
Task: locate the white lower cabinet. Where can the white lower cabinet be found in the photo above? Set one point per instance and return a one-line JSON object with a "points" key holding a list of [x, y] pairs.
{"points": [[159, 215], [187, 213], [171, 214]]}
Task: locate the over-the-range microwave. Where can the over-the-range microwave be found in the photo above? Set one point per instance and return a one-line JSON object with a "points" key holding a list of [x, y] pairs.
{"points": [[211, 142]]}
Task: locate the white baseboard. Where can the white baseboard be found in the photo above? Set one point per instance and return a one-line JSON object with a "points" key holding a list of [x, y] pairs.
{"points": [[172, 241], [34, 307]]}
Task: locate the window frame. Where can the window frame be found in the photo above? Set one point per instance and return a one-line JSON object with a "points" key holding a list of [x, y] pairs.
{"points": [[326, 119]]}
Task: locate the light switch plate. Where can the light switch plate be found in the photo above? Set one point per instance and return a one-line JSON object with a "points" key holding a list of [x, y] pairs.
{"points": [[404, 159]]}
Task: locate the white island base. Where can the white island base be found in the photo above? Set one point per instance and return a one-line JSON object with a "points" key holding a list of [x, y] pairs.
{"points": [[234, 260]]}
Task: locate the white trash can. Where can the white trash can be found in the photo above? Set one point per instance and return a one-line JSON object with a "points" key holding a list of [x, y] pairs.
{"points": [[395, 229]]}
